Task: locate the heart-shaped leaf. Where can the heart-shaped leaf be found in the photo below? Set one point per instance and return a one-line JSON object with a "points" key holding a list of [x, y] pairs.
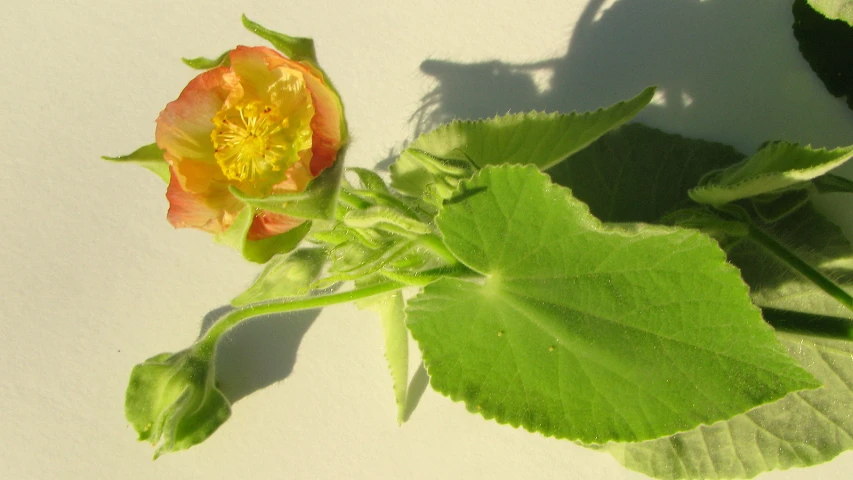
{"points": [[587, 331]]}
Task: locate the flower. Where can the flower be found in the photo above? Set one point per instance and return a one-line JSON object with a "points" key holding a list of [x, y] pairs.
{"points": [[264, 124]]}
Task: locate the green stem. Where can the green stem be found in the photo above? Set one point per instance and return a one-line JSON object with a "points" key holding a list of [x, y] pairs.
{"points": [[780, 251], [235, 317], [436, 245]]}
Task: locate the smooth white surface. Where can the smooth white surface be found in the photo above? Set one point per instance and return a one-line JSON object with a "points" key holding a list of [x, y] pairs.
{"points": [[94, 279]]}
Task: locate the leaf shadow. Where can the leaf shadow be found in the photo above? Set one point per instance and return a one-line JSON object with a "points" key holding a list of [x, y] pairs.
{"points": [[417, 387], [259, 352], [726, 70]]}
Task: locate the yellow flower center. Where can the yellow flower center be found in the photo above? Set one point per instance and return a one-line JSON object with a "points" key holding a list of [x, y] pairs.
{"points": [[256, 142]]}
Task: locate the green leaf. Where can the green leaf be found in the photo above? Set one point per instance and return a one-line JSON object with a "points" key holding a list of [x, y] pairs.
{"points": [[772, 207], [803, 429], [150, 157], [202, 63], [777, 166], [259, 251], [587, 331], [830, 183], [639, 174], [297, 48], [316, 202], [529, 138], [825, 43], [391, 310], [286, 275], [817, 241], [834, 9]]}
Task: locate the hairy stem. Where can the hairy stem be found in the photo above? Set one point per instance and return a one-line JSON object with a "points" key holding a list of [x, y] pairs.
{"points": [[235, 317]]}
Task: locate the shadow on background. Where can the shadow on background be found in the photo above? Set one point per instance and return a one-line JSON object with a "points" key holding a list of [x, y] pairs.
{"points": [[727, 70], [259, 352]]}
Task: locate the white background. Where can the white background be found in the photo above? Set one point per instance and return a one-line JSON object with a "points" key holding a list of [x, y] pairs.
{"points": [[94, 280]]}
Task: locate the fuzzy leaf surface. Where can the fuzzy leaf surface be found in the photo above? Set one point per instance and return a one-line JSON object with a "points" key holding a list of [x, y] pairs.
{"points": [[803, 429], [285, 275], [536, 138], [775, 167], [638, 173], [589, 331], [815, 239]]}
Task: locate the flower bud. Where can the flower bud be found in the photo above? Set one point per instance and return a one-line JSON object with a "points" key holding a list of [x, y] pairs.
{"points": [[172, 400]]}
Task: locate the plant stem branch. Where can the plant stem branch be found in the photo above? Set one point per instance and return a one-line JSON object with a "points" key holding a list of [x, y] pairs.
{"points": [[235, 317], [436, 245], [791, 259]]}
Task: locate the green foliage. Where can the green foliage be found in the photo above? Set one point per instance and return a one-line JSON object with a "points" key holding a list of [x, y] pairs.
{"points": [[296, 48], [774, 284], [826, 44], [603, 312], [456, 149], [803, 429], [777, 167], [285, 275], [834, 9], [587, 331], [639, 174], [149, 157]]}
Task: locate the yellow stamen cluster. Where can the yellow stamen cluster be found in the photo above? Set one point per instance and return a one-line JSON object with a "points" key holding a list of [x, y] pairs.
{"points": [[256, 142]]}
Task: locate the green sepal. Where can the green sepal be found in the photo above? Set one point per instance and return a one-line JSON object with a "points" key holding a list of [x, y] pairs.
{"points": [[541, 139], [259, 251], [172, 400], [285, 275], [296, 48], [778, 166], [204, 63], [387, 219], [149, 157], [317, 201]]}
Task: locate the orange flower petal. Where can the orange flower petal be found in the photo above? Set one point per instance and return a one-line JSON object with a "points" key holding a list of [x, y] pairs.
{"points": [[326, 124], [211, 213], [184, 126], [268, 224]]}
